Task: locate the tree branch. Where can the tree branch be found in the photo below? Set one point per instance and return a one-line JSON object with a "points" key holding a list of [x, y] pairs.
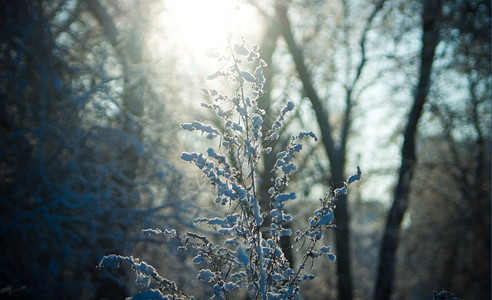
{"points": [[305, 76]]}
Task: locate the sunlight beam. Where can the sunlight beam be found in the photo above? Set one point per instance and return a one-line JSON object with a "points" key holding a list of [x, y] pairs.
{"points": [[204, 25]]}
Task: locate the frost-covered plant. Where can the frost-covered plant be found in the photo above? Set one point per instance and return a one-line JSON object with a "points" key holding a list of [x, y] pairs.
{"points": [[245, 259]]}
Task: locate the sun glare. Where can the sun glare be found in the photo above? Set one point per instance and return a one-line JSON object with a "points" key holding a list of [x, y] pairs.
{"points": [[205, 24]]}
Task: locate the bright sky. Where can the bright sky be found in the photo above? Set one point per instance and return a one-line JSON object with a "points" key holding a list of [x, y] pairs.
{"points": [[204, 25]]}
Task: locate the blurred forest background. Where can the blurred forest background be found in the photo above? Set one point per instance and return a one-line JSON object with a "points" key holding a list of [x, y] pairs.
{"points": [[93, 91]]}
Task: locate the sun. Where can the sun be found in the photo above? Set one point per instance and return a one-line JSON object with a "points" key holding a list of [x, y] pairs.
{"points": [[205, 24]]}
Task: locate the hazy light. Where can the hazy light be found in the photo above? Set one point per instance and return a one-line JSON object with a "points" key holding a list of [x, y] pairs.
{"points": [[204, 25]]}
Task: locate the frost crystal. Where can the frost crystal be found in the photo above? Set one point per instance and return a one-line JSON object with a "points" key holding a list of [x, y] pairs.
{"points": [[150, 231], [198, 259], [248, 76], [206, 275], [257, 120], [215, 75], [341, 191], [289, 107], [243, 257], [212, 132], [241, 49], [354, 177], [285, 197], [149, 294]]}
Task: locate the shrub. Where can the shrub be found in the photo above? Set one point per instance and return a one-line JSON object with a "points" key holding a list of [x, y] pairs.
{"points": [[244, 259]]}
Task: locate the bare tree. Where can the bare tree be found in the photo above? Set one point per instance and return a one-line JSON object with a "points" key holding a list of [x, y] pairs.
{"points": [[67, 191], [452, 212], [431, 15], [335, 148], [129, 52]]}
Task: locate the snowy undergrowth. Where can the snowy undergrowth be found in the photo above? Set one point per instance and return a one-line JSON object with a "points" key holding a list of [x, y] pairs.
{"points": [[244, 259]]}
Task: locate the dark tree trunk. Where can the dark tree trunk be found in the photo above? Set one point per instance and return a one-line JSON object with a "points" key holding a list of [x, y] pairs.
{"points": [[335, 154], [387, 259], [269, 44], [342, 233]]}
